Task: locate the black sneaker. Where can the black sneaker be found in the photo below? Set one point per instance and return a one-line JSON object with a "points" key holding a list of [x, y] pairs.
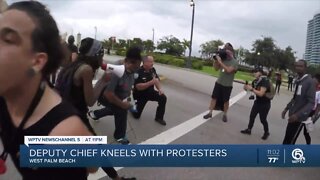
{"points": [[123, 141], [161, 121], [265, 136], [207, 116], [132, 178], [246, 131], [224, 118], [92, 116]]}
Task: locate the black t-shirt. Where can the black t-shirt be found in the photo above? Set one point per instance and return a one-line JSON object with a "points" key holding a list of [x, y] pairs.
{"points": [[257, 84], [145, 76], [41, 128], [290, 79]]}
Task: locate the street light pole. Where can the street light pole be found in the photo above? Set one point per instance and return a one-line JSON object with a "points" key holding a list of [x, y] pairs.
{"points": [[193, 5], [95, 32], [152, 39], [153, 35]]}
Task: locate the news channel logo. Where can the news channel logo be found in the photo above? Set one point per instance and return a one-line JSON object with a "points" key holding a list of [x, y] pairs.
{"points": [[297, 155]]}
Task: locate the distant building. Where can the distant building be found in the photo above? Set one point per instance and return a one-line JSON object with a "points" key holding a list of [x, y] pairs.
{"points": [[312, 53], [78, 40]]}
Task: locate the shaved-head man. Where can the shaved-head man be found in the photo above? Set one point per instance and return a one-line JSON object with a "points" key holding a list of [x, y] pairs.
{"points": [[147, 88]]}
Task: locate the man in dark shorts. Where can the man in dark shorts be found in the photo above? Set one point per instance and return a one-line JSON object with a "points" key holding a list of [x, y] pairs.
{"points": [[223, 87]]}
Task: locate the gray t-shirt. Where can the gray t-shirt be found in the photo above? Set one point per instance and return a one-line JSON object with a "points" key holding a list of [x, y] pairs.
{"points": [[121, 86], [226, 79]]}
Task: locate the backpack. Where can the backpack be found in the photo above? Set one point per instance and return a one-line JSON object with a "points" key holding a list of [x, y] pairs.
{"points": [[272, 91], [65, 81]]}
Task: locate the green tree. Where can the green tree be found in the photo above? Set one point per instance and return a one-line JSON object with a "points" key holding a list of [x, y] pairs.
{"points": [[122, 43], [136, 42], [284, 58], [171, 45], [263, 52], [148, 46], [209, 48], [266, 53], [313, 69]]}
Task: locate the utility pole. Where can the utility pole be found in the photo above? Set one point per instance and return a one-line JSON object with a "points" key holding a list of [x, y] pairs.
{"points": [[193, 5]]}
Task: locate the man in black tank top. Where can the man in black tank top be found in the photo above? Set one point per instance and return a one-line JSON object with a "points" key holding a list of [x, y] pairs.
{"points": [[30, 50]]}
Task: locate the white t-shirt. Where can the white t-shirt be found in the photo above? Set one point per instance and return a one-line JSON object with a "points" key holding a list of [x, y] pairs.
{"points": [[317, 100]]}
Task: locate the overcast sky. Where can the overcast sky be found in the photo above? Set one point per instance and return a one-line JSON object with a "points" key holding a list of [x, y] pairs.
{"points": [[237, 21]]}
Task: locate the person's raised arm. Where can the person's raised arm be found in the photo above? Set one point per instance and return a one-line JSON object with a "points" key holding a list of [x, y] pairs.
{"points": [[228, 69], [91, 93]]}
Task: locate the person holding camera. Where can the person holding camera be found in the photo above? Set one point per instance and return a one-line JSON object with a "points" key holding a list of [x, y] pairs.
{"points": [[226, 63], [260, 86]]}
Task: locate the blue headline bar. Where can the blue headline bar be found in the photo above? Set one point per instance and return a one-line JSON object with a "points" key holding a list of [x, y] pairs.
{"points": [[170, 155]]}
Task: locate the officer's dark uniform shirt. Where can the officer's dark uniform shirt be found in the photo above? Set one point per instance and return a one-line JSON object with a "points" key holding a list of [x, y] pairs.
{"points": [[144, 76]]}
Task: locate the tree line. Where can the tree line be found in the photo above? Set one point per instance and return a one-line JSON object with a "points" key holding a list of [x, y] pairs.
{"points": [[264, 52]]}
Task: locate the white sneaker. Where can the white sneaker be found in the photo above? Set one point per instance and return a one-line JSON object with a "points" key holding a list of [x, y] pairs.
{"points": [[92, 116]]}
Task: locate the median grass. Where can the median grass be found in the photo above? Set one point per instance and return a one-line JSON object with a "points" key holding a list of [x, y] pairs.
{"points": [[243, 76]]}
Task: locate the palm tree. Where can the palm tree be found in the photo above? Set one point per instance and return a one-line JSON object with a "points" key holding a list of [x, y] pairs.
{"points": [[186, 45]]}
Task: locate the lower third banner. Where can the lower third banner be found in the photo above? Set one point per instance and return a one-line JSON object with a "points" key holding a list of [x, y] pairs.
{"points": [[170, 156]]}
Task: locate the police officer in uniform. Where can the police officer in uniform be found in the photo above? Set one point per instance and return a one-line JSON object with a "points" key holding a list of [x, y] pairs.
{"points": [[144, 90]]}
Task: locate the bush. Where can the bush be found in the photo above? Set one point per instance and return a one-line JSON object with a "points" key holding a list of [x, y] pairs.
{"points": [[163, 58], [177, 62], [197, 65], [207, 62]]}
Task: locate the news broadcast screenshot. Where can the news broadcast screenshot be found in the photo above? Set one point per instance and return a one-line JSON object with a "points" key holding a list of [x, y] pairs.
{"points": [[159, 89]]}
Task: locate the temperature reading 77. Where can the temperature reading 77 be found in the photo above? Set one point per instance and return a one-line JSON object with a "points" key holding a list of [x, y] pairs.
{"points": [[273, 159]]}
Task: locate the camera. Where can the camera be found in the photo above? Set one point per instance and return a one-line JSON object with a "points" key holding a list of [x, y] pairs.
{"points": [[222, 53], [251, 97]]}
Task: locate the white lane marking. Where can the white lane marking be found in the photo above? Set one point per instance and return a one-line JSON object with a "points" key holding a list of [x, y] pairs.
{"points": [[174, 133]]}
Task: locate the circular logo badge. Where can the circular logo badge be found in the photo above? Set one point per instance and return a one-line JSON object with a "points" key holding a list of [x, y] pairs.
{"points": [[297, 154]]}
